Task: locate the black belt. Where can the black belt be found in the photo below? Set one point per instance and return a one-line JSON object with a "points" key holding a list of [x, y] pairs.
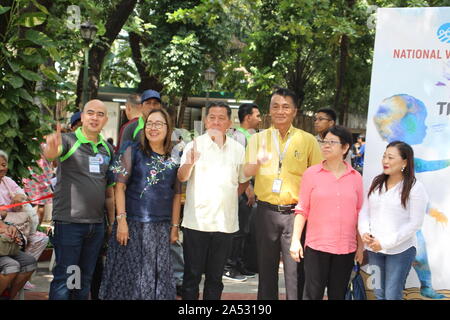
{"points": [[283, 209]]}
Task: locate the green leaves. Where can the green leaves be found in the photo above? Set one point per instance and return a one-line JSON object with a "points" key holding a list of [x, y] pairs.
{"points": [[32, 19], [30, 75], [4, 9], [39, 38], [15, 81], [4, 117], [25, 81], [25, 95]]}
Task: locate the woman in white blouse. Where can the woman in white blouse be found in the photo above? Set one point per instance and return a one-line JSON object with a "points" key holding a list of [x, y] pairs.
{"points": [[392, 213]]}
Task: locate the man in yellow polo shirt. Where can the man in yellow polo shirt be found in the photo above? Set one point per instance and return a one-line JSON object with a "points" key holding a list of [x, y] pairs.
{"points": [[277, 157]]}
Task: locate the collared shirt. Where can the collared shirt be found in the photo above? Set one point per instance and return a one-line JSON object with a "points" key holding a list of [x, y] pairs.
{"points": [[331, 207], [132, 132], [211, 193], [303, 151], [81, 179], [121, 133], [384, 217]]}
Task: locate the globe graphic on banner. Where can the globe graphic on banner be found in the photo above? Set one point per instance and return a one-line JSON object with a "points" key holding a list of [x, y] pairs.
{"points": [[401, 117], [443, 33]]}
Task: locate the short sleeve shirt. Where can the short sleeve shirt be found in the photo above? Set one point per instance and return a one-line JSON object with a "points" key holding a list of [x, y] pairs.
{"points": [[212, 189], [302, 152], [129, 133], [81, 179], [151, 183]]}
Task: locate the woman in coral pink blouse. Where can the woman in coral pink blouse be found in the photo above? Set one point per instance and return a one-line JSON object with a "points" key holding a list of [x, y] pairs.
{"points": [[331, 196]]}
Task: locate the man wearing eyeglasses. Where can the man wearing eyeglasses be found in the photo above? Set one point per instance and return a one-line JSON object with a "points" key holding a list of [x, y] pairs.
{"points": [[324, 119], [277, 157], [150, 99]]}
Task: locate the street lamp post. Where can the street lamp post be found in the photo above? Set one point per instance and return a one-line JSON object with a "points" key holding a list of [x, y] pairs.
{"points": [[88, 31], [210, 76]]}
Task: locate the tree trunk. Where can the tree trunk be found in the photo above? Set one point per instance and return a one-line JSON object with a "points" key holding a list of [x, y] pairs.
{"points": [[114, 24], [342, 106], [341, 70], [147, 81], [183, 105]]}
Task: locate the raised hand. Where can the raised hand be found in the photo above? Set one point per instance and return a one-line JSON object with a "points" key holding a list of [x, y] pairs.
{"points": [[193, 155], [263, 156], [53, 141]]}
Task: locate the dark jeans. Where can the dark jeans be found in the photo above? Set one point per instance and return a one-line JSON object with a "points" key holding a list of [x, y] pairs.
{"points": [[204, 252], [236, 257], [323, 269], [77, 245]]}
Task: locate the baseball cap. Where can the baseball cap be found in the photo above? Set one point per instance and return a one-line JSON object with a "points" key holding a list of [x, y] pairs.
{"points": [[150, 94], [75, 117]]}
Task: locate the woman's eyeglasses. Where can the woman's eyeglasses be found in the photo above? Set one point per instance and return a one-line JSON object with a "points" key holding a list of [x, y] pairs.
{"points": [[329, 142], [156, 125]]}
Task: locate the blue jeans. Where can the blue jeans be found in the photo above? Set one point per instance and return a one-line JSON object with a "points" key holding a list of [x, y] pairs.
{"points": [[77, 246], [393, 270]]}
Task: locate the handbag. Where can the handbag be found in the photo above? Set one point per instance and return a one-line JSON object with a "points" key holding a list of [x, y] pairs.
{"points": [[21, 220], [356, 289], [8, 247]]}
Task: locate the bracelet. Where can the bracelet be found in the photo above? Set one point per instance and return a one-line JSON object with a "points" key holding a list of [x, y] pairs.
{"points": [[175, 225], [121, 215]]}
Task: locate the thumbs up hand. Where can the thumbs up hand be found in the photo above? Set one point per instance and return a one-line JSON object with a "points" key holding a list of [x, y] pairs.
{"points": [[263, 156], [193, 155], [53, 142]]}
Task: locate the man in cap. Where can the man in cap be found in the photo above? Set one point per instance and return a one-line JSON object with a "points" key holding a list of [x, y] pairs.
{"points": [[75, 121], [150, 99]]}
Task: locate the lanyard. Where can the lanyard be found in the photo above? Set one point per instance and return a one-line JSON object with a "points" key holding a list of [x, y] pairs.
{"points": [[277, 146]]}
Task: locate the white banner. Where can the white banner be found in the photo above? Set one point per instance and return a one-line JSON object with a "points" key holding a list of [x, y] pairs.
{"points": [[410, 101]]}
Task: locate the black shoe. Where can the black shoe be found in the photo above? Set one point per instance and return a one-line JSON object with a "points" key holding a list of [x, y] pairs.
{"points": [[234, 275], [247, 273]]}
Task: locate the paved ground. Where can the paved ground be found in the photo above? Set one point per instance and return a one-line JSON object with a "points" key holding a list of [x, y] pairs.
{"points": [[232, 291]]}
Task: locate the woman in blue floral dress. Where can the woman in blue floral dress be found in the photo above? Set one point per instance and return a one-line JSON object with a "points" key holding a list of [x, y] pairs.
{"points": [[148, 201]]}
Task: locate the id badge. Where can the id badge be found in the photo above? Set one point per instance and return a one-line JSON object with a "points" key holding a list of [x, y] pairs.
{"points": [[276, 187], [94, 165]]}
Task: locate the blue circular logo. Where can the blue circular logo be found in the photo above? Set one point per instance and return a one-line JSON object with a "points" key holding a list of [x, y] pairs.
{"points": [[443, 33], [99, 158]]}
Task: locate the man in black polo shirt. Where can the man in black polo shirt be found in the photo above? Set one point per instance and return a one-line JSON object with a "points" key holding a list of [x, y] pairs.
{"points": [[81, 193]]}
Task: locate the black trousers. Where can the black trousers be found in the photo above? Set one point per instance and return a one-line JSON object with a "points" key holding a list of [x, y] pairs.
{"points": [[301, 268], [273, 236], [241, 238], [323, 269], [204, 252]]}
